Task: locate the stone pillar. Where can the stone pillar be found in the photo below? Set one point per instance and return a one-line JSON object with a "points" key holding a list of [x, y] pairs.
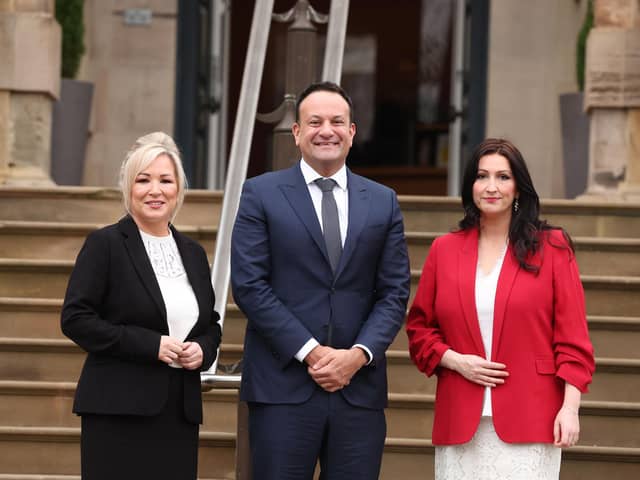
{"points": [[29, 84], [612, 96], [300, 71]]}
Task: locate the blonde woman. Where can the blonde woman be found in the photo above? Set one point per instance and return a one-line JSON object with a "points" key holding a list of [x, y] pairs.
{"points": [[140, 303]]}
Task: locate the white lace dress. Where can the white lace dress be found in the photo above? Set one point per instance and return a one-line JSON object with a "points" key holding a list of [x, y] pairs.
{"points": [[486, 457]]}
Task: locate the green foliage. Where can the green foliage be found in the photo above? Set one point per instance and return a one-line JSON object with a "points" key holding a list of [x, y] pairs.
{"points": [[69, 14], [582, 45]]}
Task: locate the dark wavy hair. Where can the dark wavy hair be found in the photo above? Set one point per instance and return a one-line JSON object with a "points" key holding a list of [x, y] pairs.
{"points": [[526, 226]]}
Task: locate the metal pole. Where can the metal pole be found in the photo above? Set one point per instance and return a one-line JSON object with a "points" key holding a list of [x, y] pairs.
{"points": [[217, 151], [336, 33], [240, 149], [457, 84]]}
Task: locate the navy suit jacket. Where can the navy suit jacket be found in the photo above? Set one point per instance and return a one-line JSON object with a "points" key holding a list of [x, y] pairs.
{"points": [[283, 282], [114, 310]]}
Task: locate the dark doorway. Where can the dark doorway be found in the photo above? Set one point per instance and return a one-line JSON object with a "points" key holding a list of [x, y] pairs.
{"points": [[397, 68]]}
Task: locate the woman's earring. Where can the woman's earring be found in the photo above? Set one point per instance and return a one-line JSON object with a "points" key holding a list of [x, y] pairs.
{"points": [[516, 205]]}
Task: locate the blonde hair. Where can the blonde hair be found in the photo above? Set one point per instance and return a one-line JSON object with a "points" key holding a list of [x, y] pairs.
{"points": [[141, 154]]}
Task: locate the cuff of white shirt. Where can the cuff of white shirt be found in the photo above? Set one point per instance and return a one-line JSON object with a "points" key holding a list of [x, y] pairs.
{"points": [[306, 348], [366, 351]]}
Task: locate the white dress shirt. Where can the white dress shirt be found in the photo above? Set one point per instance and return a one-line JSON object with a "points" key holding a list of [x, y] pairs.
{"points": [[341, 195]]}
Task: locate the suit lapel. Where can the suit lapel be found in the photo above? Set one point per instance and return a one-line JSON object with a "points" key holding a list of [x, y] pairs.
{"points": [[506, 280], [467, 264], [358, 213], [140, 261], [296, 192]]}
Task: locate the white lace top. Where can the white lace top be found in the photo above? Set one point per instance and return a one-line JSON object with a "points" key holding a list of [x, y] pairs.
{"points": [[179, 299]]}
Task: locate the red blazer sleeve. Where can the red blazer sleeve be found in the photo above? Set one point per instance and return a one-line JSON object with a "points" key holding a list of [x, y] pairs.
{"points": [[571, 344], [426, 342]]}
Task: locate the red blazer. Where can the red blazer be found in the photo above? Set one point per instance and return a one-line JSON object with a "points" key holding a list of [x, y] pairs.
{"points": [[539, 333]]}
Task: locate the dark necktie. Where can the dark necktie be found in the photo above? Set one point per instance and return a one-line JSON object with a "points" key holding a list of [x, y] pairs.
{"points": [[330, 222]]}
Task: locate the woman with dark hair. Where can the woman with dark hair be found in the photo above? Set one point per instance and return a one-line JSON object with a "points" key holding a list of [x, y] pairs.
{"points": [[499, 317]]}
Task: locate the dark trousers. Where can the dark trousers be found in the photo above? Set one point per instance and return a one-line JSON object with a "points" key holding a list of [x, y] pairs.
{"points": [[287, 440]]}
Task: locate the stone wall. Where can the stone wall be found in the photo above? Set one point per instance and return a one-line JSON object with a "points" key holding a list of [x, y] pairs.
{"points": [[532, 49], [133, 71]]}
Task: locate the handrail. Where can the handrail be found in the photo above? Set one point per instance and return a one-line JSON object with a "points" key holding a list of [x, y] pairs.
{"points": [[239, 160], [336, 33], [457, 85]]}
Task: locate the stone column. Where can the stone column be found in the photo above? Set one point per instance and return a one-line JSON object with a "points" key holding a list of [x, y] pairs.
{"points": [[29, 84], [612, 96]]}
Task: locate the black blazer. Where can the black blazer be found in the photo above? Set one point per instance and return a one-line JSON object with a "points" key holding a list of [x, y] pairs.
{"points": [[114, 310]]}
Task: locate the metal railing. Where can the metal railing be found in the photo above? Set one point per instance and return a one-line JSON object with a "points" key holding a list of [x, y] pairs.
{"points": [[238, 163]]}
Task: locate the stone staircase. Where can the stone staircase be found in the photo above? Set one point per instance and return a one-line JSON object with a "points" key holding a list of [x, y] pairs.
{"points": [[41, 232]]}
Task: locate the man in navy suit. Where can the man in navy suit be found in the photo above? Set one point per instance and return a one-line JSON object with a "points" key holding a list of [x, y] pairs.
{"points": [[322, 274]]}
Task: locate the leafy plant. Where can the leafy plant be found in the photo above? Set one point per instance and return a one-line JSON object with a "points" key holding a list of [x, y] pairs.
{"points": [[582, 45], [69, 14]]}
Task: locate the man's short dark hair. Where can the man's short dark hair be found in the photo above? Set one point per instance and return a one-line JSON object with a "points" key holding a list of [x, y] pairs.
{"points": [[324, 87]]}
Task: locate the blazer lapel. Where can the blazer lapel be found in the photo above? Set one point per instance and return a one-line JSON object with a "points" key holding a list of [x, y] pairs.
{"points": [[467, 264], [358, 213], [297, 194], [141, 263], [506, 280]]}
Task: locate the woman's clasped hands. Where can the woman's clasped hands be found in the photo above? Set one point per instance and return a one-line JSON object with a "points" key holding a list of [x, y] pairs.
{"points": [[188, 355], [475, 369]]}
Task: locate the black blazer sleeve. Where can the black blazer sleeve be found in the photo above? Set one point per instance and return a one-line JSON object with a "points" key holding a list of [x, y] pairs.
{"points": [[90, 297]]}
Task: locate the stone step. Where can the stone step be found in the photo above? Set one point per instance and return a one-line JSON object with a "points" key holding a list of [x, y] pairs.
{"points": [[596, 255], [579, 217], [612, 424], [95, 205], [611, 295], [616, 379], [27, 476], [56, 451], [611, 336], [54, 360], [33, 317], [49, 404], [63, 240], [605, 295], [40, 318], [19, 476], [201, 207]]}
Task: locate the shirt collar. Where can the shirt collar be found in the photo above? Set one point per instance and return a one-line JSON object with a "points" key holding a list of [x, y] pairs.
{"points": [[310, 175]]}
